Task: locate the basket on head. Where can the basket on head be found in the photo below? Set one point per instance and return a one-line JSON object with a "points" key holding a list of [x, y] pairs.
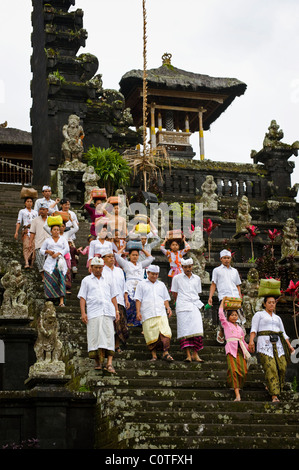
{"points": [[269, 287], [232, 303]]}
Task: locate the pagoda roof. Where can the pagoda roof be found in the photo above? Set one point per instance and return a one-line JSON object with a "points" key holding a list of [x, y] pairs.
{"points": [[168, 85]]}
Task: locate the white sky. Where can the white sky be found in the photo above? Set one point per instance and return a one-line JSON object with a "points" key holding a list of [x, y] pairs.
{"points": [[255, 41]]}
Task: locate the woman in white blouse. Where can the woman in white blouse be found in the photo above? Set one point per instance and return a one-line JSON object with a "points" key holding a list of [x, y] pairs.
{"points": [[25, 217], [134, 271], [55, 267], [273, 346]]}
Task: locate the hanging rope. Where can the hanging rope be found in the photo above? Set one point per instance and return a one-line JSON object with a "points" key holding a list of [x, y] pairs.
{"points": [[145, 112]]}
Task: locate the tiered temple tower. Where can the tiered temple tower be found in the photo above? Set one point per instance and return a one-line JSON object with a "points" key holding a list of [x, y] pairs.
{"points": [[65, 83]]}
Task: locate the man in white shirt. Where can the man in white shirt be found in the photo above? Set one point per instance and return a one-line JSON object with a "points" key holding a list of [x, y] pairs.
{"points": [[185, 288], [118, 276], [152, 307], [46, 199], [226, 280], [38, 235], [97, 293]]}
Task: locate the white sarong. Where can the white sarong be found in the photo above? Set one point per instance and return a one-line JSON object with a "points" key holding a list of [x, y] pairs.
{"points": [[100, 333], [189, 322]]}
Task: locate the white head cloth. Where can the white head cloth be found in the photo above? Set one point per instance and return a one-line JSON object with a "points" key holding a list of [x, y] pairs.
{"points": [[107, 251], [46, 188], [186, 262], [153, 268], [96, 261], [225, 253]]}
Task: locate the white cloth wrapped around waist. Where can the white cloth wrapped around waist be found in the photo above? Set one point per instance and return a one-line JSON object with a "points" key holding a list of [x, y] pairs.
{"points": [[247, 355], [189, 321]]}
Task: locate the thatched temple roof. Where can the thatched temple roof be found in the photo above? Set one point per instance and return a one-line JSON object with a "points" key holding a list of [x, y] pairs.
{"points": [[170, 85], [11, 136]]}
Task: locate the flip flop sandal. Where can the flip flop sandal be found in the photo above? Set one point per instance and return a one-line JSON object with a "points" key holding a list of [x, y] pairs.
{"points": [[110, 369], [167, 358]]}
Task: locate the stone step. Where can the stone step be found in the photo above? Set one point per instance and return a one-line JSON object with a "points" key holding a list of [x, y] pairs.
{"points": [[117, 394], [282, 410], [211, 417], [181, 428], [210, 442], [170, 383]]}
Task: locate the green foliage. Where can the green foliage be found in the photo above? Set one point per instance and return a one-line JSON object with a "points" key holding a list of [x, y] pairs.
{"points": [[111, 167], [59, 76], [295, 384]]}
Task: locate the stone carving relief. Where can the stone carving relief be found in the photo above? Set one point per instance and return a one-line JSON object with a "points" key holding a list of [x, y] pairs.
{"points": [[48, 346], [72, 146], [244, 218], [209, 197], [14, 303], [289, 246]]}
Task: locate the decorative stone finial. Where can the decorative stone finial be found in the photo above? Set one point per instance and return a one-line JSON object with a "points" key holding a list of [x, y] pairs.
{"points": [[166, 58]]}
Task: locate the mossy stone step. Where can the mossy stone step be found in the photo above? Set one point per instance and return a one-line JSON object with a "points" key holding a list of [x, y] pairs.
{"points": [[210, 442], [225, 429]]}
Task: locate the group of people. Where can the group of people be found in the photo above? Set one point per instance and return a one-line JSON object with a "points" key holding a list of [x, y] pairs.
{"points": [[50, 246], [122, 290]]}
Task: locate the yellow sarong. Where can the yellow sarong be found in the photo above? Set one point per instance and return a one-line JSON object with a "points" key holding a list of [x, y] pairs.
{"points": [[152, 327]]}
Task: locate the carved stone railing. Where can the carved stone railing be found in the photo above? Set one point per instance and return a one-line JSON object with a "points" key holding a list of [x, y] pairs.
{"points": [[232, 179]]}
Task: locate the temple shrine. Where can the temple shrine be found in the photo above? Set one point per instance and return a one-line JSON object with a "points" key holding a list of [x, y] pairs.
{"points": [[179, 103]]}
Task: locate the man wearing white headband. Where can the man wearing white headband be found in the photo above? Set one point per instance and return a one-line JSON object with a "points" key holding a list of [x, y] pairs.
{"points": [[46, 199], [185, 288], [152, 307], [118, 277], [97, 293], [226, 280]]}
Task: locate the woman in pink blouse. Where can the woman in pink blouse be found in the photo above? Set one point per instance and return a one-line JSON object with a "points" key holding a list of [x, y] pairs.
{"points": [[236, 350]]}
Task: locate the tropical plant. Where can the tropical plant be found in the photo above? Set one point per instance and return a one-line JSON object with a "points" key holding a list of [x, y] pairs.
{"points": [[273, 235], [208, 227], [252, 233], [293, 291], [112, 168]]}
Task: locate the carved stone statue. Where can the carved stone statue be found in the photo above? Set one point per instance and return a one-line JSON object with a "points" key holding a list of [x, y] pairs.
{"points": [[251, 302], [209, 197], [14, 297], [243, 218], [289, 246], [72, 147], [48, 346], [90, 179], [197, 254]]}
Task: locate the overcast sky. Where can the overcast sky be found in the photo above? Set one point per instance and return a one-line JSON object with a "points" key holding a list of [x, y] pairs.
{"points": [[255, 41]]}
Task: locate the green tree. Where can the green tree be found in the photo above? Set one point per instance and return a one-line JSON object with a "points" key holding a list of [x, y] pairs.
{"points": [[111, 167]]}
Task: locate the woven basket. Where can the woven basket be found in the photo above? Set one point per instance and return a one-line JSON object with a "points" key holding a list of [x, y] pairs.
{"points": [[174, 235], [133, 245], [143, 228], [99, 193], [28, 192], [114, 200], [64, 215], [269, 287], [54, 220], [232, 303]]}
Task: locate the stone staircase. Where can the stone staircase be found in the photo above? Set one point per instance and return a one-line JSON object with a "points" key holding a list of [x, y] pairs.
{"points": [[177, 405], [165, 405]]}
